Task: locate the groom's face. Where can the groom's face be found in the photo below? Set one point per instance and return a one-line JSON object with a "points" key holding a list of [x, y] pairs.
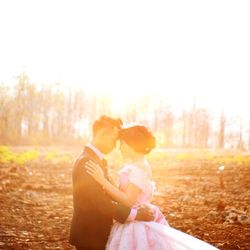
{"points": [[109, 139]]}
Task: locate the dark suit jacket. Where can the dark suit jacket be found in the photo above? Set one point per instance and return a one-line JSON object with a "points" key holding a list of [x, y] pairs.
{"points": [[93, 208]]}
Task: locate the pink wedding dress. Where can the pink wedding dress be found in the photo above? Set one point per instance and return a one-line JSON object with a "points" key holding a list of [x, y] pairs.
{"points": [[156, 235]]}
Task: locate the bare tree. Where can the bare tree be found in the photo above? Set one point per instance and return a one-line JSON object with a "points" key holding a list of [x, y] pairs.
{"points": [[240, 139], [249, 135], [221, 136]]}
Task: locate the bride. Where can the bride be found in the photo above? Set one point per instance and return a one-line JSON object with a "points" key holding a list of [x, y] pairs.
{"points": [[135, 190]]}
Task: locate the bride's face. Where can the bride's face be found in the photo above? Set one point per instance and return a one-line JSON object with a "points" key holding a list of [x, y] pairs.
{"points": [[126, 150]]}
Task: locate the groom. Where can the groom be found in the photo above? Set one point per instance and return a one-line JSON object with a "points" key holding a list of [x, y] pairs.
{"points": [[93, 208]]}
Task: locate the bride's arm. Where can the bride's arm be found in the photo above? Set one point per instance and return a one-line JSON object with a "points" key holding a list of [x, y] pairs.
{"points": [[112, 181], [128, 198]]}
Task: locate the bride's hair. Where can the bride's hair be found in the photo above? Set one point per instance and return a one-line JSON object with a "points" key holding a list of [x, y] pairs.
{"points": [[139, 138]]}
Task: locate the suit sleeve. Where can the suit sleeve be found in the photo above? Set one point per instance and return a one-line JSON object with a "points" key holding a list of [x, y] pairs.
{"points": [[94, 193]]}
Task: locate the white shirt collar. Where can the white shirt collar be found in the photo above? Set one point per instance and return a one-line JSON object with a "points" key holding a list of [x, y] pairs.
{"points": [[96, 150]]}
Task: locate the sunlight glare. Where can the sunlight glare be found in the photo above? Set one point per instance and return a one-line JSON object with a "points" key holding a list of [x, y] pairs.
{"points": [[177, 52]]}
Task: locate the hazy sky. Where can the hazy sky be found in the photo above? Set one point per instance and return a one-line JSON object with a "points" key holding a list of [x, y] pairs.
{"points": [[177, 49]]}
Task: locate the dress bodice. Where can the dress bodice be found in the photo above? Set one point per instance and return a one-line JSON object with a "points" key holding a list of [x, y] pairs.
{"points": [[131, 173]]}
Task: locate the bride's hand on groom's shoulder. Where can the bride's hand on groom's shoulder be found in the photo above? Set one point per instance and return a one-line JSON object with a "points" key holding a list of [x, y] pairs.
{"points": [[95, 171], [145, 214]]}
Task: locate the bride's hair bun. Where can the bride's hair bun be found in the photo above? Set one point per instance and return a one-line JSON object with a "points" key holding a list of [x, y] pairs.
{"points": [[139, 138]]}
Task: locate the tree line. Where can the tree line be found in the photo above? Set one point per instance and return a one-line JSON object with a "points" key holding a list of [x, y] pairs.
{"points": [[43, 114]]}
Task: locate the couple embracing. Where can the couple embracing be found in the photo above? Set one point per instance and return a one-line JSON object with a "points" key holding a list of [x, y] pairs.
{"points": [[120, 217]]}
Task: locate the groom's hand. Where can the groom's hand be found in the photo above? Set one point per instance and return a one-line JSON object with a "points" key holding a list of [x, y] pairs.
{"points": [[144, 214]]}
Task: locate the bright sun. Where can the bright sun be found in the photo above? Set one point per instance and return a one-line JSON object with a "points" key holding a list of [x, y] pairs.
{"points": [[160, 50]]}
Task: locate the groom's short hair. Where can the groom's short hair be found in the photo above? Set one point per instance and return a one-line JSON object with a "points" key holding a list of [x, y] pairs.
{"points": [[106, 122]]}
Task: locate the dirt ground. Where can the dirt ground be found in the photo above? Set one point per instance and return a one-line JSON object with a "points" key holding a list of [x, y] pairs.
{"points": [[36, 203]]}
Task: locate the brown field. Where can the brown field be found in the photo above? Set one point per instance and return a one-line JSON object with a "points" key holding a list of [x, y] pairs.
{"points": [[36, 199]]}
